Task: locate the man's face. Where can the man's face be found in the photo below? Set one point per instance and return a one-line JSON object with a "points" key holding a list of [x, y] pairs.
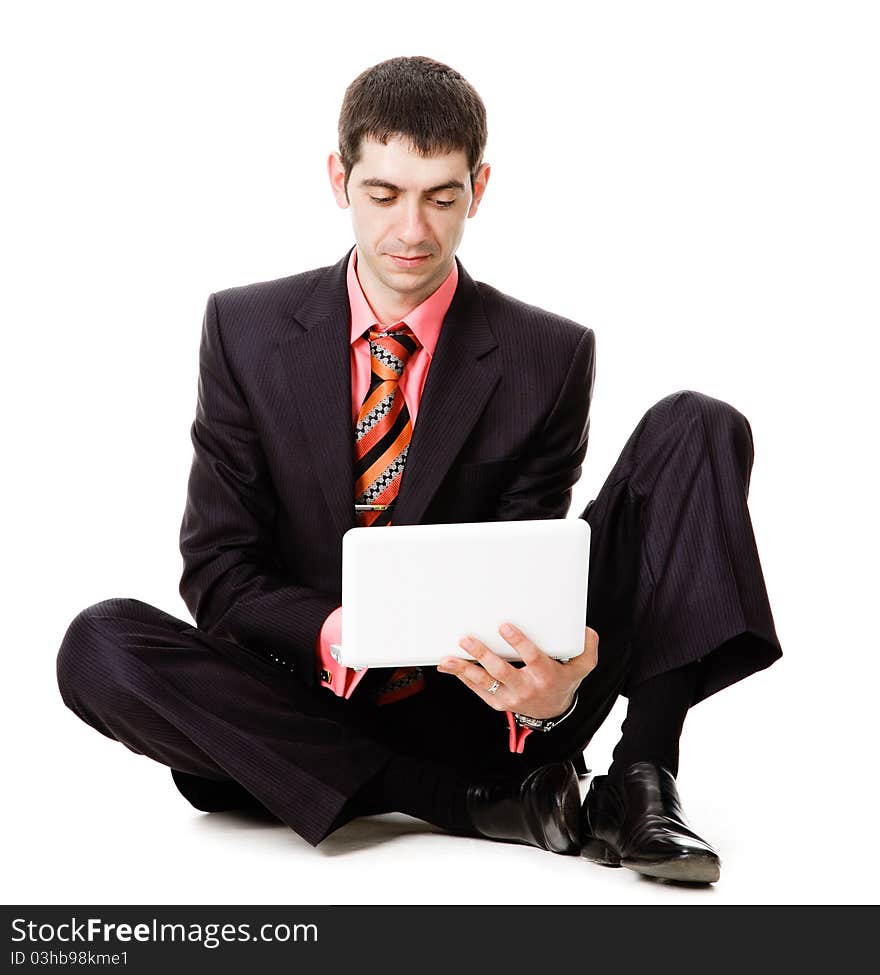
{"points": [[408, 213]]}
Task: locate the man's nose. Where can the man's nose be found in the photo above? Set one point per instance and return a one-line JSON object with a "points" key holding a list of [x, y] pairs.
{"points": [[413, 226]]}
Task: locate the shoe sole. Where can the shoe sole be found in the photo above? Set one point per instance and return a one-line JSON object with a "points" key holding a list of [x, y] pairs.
{"points": [[692, 868]]}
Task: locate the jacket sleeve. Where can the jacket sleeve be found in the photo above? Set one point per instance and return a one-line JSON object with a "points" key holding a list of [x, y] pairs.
{"points": [[543, 483], [232, 581]]}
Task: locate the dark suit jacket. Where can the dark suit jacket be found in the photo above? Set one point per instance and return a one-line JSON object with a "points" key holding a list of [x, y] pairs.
{"points": [[501, 434]]}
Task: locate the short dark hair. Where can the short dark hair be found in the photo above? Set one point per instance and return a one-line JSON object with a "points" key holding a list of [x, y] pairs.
{"points": [[421, 99]]}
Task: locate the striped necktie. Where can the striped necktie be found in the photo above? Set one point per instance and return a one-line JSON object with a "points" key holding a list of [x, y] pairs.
{"points": [[382, 436]]}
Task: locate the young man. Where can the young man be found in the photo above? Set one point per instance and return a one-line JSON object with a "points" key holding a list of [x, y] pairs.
{"points": [[393, 387]]}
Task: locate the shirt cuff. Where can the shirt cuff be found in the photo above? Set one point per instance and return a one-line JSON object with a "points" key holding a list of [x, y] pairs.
{"points": [[517, 736], [340, 680]]}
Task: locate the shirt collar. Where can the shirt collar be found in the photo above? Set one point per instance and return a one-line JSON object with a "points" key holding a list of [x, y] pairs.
{"points": [[425, 319]]}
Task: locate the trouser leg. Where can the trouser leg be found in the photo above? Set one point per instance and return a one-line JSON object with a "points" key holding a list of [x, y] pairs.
{"points": [[699, 591], [675, 576], [238, 731], [211, 709]]}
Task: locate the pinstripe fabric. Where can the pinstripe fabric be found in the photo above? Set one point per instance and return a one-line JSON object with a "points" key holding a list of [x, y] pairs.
{"points": [[674, 569], [678, 576], [161, 687]]}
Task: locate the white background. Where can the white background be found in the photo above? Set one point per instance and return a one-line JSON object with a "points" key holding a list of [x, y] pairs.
{"points": [[695, 181]]}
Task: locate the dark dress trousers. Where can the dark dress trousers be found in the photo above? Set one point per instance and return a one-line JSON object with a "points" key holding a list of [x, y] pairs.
{"points": [[231, 705]]}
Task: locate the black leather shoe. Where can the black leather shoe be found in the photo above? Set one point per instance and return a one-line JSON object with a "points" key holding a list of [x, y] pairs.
{"points": [[542, 810], [641, 825]]}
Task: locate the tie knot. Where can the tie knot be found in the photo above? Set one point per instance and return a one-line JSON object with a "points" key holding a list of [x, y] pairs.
{"points": [[393, 347]]}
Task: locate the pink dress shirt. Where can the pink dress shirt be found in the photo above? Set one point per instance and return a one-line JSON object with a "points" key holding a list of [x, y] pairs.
{"points": [[425, 321]]}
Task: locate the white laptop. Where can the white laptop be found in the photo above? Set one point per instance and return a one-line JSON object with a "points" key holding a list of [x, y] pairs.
{"points": [[411, 592]]}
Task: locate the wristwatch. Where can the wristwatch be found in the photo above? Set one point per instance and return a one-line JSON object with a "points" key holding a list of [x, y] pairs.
{"points": [[543, 724]]}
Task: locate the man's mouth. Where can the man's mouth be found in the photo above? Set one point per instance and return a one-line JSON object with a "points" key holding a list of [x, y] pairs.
{"points": [[409, 261]]}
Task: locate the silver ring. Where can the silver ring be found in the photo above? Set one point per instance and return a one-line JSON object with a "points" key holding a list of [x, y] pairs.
{"points": [[495, 685]]}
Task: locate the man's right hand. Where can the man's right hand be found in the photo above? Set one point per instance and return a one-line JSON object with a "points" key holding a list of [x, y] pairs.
{"points": [[542, 688]]}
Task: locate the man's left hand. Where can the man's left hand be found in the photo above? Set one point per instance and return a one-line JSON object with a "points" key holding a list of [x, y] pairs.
{"points": [[541, 688]]}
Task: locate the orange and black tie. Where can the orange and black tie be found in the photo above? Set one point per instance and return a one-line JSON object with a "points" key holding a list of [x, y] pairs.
{"points": [[382, 436]]}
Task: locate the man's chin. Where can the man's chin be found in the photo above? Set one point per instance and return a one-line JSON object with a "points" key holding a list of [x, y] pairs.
{"points": [[408, 282]]}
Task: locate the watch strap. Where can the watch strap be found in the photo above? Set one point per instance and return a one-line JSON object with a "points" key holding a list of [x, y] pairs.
{"points": [[543, 724]]}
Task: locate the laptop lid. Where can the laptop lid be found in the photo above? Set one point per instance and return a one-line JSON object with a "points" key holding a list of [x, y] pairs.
{"points": [[410, 592]]}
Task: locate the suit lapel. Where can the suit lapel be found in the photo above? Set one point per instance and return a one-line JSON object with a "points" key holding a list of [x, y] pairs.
{"points": [[460, 381], [316, 377]]}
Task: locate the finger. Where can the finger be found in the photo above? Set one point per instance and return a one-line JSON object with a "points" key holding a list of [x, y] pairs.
{"points": [[480, 687], [498, 667], [526, 650], [587, 660], [466, 668]]}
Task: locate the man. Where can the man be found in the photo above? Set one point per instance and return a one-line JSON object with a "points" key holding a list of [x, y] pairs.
{"points": [[392, 387]]}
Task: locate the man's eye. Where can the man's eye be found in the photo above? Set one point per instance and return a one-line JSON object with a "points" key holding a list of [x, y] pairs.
{"points": [[381, 199], [445, 203]]}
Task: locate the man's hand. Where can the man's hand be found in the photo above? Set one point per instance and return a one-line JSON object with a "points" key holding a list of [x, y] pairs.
{"points": [[542, 688]]}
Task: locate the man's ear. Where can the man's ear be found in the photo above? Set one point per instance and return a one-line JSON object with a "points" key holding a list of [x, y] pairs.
{"points": [[479, 187], [336, 173]]}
